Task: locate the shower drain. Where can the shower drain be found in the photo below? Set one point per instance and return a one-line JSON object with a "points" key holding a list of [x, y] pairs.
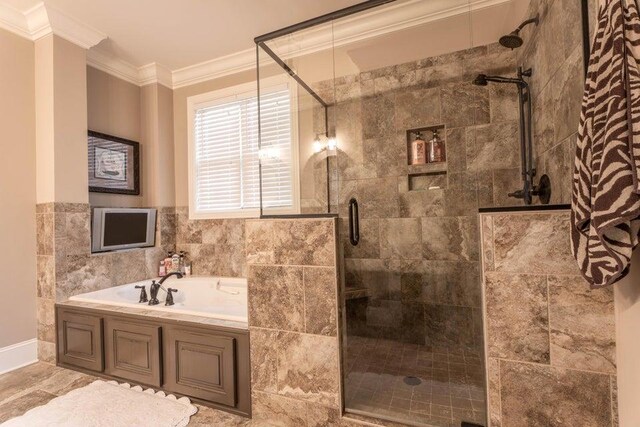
{"points": [[412, 381]]}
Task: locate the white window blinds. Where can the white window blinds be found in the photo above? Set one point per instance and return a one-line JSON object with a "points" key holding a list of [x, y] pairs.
{"points": [[225, 169]]}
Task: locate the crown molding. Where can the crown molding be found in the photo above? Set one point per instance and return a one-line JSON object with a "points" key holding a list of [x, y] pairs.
{"points": [[155, 73], [72, 30], [114, 66], [42, 20], [215, 68], [14, 21], [139, 76], [37, 19]]}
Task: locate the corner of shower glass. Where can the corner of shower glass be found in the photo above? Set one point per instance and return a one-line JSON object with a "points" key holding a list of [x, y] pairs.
{"points": [[298, 156]]}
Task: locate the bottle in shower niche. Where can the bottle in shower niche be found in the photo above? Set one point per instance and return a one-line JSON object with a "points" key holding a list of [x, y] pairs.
{"points": [[418, 150], [436, 151]]}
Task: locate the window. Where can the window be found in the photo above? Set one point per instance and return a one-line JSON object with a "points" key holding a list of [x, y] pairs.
{"points": [[224, 160]]}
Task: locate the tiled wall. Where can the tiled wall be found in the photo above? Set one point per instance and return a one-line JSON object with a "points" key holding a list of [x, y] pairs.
{"points": [[550, 339], [216, 247], [553, 50], [293, 320], [66, 266], [418, 255]]}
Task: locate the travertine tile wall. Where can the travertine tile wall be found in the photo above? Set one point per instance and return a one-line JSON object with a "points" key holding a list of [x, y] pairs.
{"points": [[550, 339], [293, 321], [418, 255], [553, 50], [66, 266], [216, 247]]}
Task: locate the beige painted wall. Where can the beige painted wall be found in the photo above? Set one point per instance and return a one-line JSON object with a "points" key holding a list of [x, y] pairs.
{"points": [[158, 183], [70, 104], [627, 301], [45, 177], [18, 190], [143, 114], [61, 121], [113, 107]]}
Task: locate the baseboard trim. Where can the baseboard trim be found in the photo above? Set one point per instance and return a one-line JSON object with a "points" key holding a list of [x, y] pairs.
{"points": [[18, 355]]}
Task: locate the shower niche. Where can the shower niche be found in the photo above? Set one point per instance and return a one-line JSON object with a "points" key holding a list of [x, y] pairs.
{"points": [[426, 158]]}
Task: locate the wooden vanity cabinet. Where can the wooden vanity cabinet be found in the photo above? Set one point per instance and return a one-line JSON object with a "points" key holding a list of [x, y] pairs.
{"points": [[132, 351], [80, 340], [200, 364], [208, 363]]}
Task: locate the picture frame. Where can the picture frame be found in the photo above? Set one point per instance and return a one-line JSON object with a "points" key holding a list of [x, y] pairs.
{"points": [[113, 164]]}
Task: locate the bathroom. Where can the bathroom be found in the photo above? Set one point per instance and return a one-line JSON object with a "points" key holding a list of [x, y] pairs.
{"points": [[335, 213]]}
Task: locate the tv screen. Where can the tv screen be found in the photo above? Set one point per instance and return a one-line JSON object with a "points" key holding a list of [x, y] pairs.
{"points": [[124, 228]]}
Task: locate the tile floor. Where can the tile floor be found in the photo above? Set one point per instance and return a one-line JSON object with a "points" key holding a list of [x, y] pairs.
{"points": [[36, 384], [379, 388], [451, 386]]}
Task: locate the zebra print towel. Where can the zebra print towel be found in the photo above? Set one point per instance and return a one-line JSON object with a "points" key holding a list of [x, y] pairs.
{"points": [[605, 212]]}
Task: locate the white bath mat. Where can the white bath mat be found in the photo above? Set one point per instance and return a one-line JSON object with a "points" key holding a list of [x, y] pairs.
{"points": [[109, 404]]}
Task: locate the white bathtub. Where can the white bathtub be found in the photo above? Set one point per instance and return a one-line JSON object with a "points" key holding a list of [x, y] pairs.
{"points": [[218, 297]]}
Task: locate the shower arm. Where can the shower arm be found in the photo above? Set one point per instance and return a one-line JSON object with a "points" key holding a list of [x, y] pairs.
{"points": [[527, 22]]}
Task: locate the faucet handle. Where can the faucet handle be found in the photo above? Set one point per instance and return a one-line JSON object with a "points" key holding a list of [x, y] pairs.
{"points": [[143, 293], [169, 299]]}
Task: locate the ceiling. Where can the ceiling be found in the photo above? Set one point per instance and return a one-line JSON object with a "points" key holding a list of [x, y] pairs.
{"points": [[182, 42], [180, 33]]}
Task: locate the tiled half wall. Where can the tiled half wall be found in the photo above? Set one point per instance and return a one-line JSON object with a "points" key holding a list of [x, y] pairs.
{"points": [[550, 339], [293, 320], [66, 266]]}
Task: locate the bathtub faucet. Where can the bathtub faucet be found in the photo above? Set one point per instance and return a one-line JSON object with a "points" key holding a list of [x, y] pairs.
{"points": [[155, 287], [166, 276]]}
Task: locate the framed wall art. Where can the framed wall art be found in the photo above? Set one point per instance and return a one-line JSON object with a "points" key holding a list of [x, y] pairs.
{"points": [[114, 164]]}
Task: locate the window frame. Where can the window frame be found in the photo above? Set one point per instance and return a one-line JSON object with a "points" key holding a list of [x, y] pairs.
{"points": [[234, 93]]}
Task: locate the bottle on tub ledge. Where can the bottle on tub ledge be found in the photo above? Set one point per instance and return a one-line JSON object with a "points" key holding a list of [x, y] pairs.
{"points": [[175, 262]]}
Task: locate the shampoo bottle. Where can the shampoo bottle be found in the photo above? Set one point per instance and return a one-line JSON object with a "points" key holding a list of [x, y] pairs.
{"points": [[418, 150]]}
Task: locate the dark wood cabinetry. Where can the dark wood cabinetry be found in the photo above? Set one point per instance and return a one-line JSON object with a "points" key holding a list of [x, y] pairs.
{"points": [[132, 351], [80, 340], [200, 364], [207, 363]]}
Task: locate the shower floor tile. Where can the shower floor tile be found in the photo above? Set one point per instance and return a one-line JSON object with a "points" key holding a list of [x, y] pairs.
{"points": [[450, 388]]}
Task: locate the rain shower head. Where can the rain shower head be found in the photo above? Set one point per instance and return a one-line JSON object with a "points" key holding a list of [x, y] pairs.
{"points": [[513, 39]]}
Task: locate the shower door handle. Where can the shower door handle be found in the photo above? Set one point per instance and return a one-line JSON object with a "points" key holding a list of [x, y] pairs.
{"points": [[354, 224]]}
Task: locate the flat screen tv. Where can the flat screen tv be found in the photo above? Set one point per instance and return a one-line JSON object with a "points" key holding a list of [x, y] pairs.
{"points": [[122, 228]]}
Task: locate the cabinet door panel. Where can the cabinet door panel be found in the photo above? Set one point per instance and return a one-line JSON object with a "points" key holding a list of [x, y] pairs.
{"points": [[80, 340], [132, 351], [200, 364]]}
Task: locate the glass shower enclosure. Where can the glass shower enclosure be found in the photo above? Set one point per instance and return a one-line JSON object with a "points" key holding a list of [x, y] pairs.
{"points": [[392, 133]]}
